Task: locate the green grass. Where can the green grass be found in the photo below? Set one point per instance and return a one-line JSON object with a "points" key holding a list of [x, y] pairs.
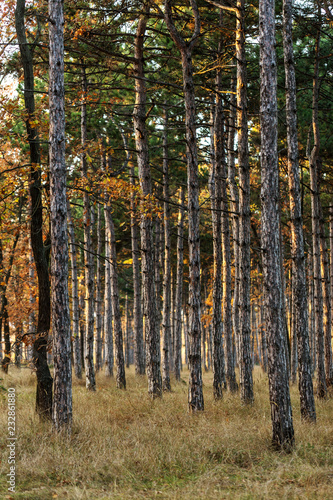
{"points": [[125, 446]]}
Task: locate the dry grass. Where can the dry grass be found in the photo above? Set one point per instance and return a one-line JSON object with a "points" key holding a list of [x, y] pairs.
{"points": [[126, 446]]}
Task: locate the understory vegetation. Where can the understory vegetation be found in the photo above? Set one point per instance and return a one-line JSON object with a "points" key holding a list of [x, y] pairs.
{"points": [[125, 445]]}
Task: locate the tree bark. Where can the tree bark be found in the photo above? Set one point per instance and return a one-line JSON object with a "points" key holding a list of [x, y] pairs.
{"points": [[139, 357], [167, 265], [179, 285], [234, 204], [75, 298], [99, 300], [195, 395], [245, 364], [281, 412], [88, 256], [299, 292], [152, 336], [44, 379], [216, 204], [118, 334], [62, 394], [315, 165]]}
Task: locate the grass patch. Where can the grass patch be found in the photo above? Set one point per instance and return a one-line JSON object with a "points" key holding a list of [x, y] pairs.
{"points": [[126, 446]]}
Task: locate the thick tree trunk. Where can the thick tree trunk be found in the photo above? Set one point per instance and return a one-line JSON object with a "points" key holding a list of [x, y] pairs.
{"points": [[281, 412], [195, 396], [299, 292], [75, 297], [152, 336], [44, 379], [99, 300], [315, 165], [62, 396], [179, 286], [245, 364], [139, 357], [167, 265]]}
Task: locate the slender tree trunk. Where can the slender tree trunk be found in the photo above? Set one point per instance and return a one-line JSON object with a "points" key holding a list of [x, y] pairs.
{"points": [[88, 256], [179, 286], [234, 203], [75, 298], [331, 272], [99, 317], [139, 357], [216, 204], [118, 334], [152, 335], [315, 163], [44, 379], [195, 396], [245, 364], [109, 356], [326, 304], [6, 359], [281, 412], [299, 292], [167, 265]]}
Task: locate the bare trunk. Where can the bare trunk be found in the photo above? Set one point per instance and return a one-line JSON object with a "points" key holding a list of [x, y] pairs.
{"points": [[75, 298], [234, 203], [245, 364], [62, 394], [179, 286], [152, 336], [299, 292], [99, 317], [139, 358], [216, 204], [315, 165], [195, 395], [109, 356], [118, 334], [167, 265], [88, 255], [44, 379], [281, 411]]}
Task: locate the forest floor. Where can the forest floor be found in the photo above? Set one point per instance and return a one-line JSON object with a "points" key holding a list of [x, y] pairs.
{"points": [[125, 446]]}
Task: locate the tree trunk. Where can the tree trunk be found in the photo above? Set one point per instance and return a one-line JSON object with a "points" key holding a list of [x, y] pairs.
{"points": [[195, 395], [179, 286], [315, 164], [44, 379], [6, 359], [245, 364], [299, 292], [216, 204], [109, 356], [281, 412], [152, 336], [326, 304], [62, 396], [88, 256], [118, 334], [99, 300], [139, 357], [234, 204], [75, 298], [167, 265]]}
